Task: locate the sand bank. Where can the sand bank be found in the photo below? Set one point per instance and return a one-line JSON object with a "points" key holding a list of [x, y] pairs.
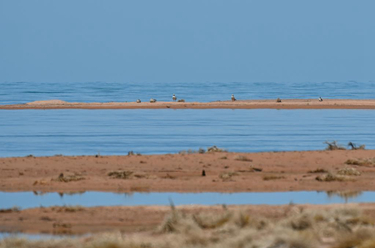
{"points": [[78, 220], [224, 172], [242, 104]]}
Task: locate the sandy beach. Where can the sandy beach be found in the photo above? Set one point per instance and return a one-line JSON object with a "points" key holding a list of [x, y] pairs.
{"points": [[239, 104], [224, 172]]}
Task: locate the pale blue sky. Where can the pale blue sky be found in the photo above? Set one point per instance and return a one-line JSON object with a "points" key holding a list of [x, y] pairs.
{"points": [[187, 41]]}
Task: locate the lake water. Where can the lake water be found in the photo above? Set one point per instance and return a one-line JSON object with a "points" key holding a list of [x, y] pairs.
{"points": [[109, 132], [91, 199], [21, 92]]}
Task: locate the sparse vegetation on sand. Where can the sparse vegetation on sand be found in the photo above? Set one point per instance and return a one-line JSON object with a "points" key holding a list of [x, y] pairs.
{"points": [[215, 149], [69, 178], [319, 170], [361, 162], [272, 177], [348, 172], [202, 151], [330, 177], [300, 228], [9, 210], [242, 158], [332, 146], [120, 174], [190, 151], [228, 175], [68, 209]]}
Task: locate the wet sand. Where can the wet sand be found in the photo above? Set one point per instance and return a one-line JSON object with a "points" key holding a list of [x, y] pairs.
{"points": [[76, 220], [240, 104], [225, 172]]}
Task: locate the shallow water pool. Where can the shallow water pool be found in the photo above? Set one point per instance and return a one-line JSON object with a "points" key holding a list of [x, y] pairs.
{"points": [[26, 200]]}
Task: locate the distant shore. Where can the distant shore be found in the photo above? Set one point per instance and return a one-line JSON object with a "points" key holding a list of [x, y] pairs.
{"points": [[224, 172], [240, 104]]}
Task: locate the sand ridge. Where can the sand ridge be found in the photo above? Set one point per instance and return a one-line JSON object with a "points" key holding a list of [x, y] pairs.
{"points": [[239, 104]]}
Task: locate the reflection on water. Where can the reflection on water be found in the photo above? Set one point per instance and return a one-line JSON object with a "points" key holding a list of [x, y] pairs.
{"points": [[345, 194], [61, 194], [92, 198]]}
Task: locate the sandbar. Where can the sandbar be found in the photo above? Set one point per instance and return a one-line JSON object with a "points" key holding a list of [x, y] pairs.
{"points": [[240, 104]]}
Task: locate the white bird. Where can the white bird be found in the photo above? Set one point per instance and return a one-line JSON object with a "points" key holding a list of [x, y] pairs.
{"points": [[320, 99], [152, 100], [233, 98], [138, 100], [174, 97]]}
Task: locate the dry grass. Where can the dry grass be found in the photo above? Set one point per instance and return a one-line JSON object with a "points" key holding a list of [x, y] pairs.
{"points": [[215, 149], [190, 151], [299, 228], [69, 178], [318, 171], [10, 210], [120, 174], [68, 209], [228, 175], [272, 177], [242, 158], [348, 172], [361, 162], [330, 177]]}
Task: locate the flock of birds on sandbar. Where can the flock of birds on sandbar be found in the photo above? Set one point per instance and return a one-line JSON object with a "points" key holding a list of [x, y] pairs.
{"points": [[174, 98]]}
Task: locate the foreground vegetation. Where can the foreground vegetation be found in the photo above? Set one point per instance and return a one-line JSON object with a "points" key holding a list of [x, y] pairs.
{"points": [[300, 228]]}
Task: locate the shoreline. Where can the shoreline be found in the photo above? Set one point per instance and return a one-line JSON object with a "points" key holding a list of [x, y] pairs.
{"points": [[239, 104], [224, 172]]}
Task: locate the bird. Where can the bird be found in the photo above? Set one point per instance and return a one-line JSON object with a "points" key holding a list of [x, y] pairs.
{"points": [[174, 97], [320, 99], [278, 100], [152, 100], [233, 98], [138, 100]]}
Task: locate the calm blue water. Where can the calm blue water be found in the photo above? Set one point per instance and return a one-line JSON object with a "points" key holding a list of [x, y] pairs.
{"points": [[92, 198], [20, 92], [108, 132]]}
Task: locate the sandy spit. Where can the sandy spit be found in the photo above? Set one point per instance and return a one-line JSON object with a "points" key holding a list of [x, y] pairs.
{"points": [[242, 104]]}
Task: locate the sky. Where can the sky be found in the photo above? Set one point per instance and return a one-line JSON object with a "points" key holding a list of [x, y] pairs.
{"points": [[187, 41]]}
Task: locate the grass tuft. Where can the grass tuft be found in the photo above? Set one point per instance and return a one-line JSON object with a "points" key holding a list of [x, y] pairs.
{"points": [[242, 158], [272, 177]]}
